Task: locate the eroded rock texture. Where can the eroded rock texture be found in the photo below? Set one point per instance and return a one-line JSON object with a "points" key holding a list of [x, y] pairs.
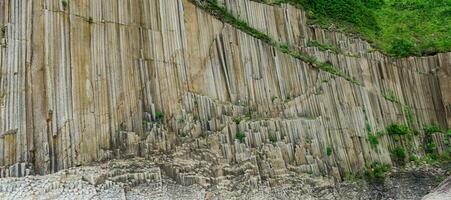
{"points": [[96, 80]]}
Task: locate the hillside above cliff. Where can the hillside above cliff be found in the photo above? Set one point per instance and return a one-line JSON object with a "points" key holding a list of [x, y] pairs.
{"points": [[398, 28]]}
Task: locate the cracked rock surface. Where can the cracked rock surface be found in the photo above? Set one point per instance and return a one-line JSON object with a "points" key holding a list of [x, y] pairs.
{"points": [[144, 179]]}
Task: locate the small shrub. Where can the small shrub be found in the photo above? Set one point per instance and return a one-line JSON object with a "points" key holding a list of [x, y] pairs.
{"points": [[377, 171], [373, 140], [400, 154], [159, 116], [90, 20], [237, 120], [64, 3], [390, 96], [397, 129], [240, 136], [272, 138], [273, 98], [329, 151], [122, 126], [413, 158], [284, 48], [401, 47], [430, 129], [430, 147], [380, 133]]}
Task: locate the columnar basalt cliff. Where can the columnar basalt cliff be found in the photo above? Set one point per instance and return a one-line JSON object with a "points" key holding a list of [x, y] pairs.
{"points": [[87, 81]]}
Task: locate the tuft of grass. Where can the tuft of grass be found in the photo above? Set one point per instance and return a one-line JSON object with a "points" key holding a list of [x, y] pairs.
{"points": [[237, 120], [159, 116], [377, 171], [324, 47], [432, 128], [272, 139], [399, 154], [64, 3], [240, 136], [390, 96], [329, 151], [397, 129], [373, 140]]}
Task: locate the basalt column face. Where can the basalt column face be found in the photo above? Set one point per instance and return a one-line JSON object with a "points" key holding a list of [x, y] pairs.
{"points": [[93, 80]]}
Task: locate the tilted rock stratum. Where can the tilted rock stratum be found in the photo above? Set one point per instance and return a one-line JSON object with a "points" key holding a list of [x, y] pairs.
{"points": [[90, 81]]}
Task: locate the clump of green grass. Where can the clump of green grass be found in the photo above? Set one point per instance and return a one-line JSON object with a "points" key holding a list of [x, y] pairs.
{"points": [[390, 96], [240, 136], [64, 3], [397, 129], [237, 120], [399, 154], [329, 151], [324, 47], [432, 128], [373, 140], [159, 116], [377, 171], [272, 138]]}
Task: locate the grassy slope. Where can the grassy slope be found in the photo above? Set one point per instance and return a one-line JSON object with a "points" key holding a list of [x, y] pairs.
{"points": [[396, 27]]}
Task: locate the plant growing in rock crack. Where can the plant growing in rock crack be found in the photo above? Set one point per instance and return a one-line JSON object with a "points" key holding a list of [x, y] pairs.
{"points": [[390, 96], [373, 140], [237, 120], [122, 127], [377, 171], [399, 154], [64, 3], [432, 128], [272, 138], [329, 151], [240, 136], [273, 98], [397, 129], [159, 116]]}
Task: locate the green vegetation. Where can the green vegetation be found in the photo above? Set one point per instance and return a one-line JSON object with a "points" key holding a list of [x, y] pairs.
{"points": [[237, 120], [146, 122], [390, 96], [272, 139], [323, 47], [373, 140], [90, 20], [221, 13], [377, 171], [409, 116], [400, 154], [218, 10], [64, 3], [240, 136], [329, 151], [122, 127], [413, 158], [397, 129], [396, 27], [432, 128], [159, 116]]}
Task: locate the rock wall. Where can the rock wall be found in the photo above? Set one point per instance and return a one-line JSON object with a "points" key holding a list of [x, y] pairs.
{"points": [[94, 80]]}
